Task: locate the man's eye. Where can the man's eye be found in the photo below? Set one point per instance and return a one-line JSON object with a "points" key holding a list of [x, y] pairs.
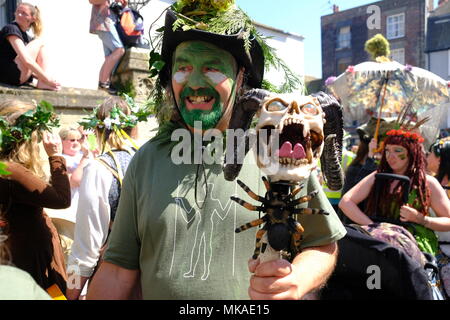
{"points": [[209, 69], [276, 106], [310, 109], [184, 69]]}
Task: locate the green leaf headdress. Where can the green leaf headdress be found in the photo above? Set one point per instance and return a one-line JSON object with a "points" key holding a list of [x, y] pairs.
{"points": [[118, 120], [222, 23], [43, 118]]}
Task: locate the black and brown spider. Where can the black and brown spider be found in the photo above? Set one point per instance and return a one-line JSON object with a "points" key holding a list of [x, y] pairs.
{"points": [[284, 233]]}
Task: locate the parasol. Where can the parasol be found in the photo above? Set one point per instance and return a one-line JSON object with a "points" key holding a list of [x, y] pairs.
{"points": [[384, 89]]}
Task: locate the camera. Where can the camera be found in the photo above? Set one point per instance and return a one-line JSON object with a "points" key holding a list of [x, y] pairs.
{"points": [[116, 8]]}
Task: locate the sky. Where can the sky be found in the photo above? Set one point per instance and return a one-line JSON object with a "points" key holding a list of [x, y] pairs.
{"points": [[300, 17]]}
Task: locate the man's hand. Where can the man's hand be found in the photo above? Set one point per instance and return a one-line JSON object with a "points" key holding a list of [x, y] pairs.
{"points": [[273, 280], [281, 280]]}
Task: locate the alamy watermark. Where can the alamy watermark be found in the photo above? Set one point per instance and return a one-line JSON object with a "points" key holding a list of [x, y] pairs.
{"points": [[374, 280], [215, 147], [374, 20]]}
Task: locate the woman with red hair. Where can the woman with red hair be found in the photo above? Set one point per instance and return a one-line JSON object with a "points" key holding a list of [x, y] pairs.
{"points": [[403, 154]]}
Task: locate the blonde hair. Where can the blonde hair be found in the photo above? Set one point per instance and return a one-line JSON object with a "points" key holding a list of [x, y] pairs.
{"points": [[64, 132], [25, 153], [36, 13], [109, 139]]}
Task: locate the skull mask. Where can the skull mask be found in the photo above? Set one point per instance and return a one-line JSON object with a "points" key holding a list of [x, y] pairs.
{"points": [[290, 136]]}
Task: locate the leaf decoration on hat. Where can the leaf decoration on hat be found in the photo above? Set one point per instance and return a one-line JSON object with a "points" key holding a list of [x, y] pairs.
{"points": [[223, 17]]}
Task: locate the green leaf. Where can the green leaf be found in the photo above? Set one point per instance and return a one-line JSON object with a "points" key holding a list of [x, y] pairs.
{"points": [[3, 171], [158, 65]]}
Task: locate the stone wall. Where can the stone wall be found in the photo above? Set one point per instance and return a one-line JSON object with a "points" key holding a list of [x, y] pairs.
{"points": [[133, 73], [71, 104]]}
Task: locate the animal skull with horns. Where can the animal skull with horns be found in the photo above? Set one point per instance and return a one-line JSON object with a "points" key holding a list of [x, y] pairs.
{"points": [[294, 132]]}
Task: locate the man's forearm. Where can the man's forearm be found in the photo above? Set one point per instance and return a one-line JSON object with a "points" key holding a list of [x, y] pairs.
{"points": [[112, 282], [314, 266]]}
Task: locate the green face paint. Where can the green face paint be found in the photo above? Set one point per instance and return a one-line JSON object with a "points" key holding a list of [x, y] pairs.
{"points": [[399, 152], [209, 118], [203, 82]]}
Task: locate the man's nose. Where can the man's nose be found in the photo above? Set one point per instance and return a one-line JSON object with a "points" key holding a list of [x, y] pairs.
{"points": [[197, 80]]}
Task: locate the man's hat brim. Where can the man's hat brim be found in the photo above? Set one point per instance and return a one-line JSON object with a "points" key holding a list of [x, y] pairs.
{"points": [[234, 44]]}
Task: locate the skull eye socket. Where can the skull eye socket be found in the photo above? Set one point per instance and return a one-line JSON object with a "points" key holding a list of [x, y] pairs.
{"points": [[310, 109], [276, 106]]}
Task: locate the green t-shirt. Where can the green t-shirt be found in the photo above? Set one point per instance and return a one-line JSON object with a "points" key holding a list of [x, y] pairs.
{"points": [[16, 284], [190, 251]]}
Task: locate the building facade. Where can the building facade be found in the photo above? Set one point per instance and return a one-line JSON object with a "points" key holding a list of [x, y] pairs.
{"points": [[438, 41], [344, 33]]}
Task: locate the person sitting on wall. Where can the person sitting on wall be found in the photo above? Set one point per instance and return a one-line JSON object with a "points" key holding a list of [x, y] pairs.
{"points": [[21, 57]]}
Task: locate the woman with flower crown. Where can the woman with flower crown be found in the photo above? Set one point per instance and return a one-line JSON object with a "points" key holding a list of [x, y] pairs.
{"points": [[114, 122], [403, 155], [33, 241]]}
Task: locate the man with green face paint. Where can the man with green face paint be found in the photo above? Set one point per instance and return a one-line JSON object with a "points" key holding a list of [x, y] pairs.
{"points": [[204, 80], [174, 230]]}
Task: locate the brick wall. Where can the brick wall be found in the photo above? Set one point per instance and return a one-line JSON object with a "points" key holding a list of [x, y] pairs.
{"points": [[356, 18]]}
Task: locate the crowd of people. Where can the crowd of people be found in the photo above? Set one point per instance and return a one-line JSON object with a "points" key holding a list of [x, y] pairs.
{"points": [[148, 228]]}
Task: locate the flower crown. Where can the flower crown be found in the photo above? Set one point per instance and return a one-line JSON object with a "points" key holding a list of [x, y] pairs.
{"points": [[43, 118], [406, 134], [118, 120]]}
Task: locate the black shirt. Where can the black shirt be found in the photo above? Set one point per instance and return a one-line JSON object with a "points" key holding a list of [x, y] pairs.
{"points": [[7, 52]]}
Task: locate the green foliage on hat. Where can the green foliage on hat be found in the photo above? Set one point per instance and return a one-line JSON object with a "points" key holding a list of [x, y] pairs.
{"points": [[222, 17], [378, 46]]}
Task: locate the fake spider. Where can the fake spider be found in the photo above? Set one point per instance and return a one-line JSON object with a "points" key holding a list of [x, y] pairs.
{"points": [[284, 233]]}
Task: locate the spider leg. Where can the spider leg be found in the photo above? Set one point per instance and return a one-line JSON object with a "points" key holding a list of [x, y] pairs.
{"points": [[307, 198], [296, 191], [251, 224], [250, 192], [309, 211], [297, 234], [258, 244], [246, 205], [266, 183]]}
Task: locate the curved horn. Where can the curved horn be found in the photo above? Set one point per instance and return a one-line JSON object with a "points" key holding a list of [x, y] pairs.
{"points": [[331, 157], [243, 113]]}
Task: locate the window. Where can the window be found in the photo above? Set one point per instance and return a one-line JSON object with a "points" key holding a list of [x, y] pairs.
{"points": [[396, 26], [342, 64], [448, 76], [398, 55], [2, 13], [344, 38]]}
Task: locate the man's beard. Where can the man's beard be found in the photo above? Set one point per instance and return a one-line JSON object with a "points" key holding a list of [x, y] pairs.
{"points": [[208, 118]]}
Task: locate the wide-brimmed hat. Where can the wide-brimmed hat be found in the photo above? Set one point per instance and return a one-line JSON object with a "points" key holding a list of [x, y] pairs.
{"points": [[252, 60], [367, 131]]}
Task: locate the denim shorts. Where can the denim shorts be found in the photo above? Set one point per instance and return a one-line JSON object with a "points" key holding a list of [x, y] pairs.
{"points": [[111, 40]]}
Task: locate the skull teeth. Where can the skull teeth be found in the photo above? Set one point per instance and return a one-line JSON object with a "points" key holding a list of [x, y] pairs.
{"points": [[291, 121], [293, 162]]}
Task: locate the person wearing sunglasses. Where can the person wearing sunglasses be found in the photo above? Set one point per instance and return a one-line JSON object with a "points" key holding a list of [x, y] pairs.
{"points": [[77, 155]]}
